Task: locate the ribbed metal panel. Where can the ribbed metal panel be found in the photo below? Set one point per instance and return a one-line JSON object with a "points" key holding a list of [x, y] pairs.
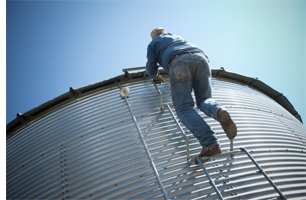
{"points": [[91, 149]]}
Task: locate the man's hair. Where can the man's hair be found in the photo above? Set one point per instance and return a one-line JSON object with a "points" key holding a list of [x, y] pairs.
{"points": [[157, 31]]}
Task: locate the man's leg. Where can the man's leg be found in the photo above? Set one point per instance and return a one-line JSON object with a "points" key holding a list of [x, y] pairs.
{"points": [[181, 79], [205, 102]]}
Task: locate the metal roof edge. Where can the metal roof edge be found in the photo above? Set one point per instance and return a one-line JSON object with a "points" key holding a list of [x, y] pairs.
{"points": [[254, 82], [23, 119]]}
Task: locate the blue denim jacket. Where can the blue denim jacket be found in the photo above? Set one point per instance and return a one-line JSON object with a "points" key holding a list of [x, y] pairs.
{"points": [[163, 48]]}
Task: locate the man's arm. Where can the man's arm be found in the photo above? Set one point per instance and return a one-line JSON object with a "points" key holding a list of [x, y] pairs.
{"points": [[151, 66]]}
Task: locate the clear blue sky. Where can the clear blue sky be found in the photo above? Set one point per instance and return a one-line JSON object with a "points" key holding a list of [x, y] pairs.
{"points": [[54, 45]]}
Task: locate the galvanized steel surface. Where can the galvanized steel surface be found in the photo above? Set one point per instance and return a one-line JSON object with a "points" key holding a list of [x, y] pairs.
{"points": [[91, 149]]}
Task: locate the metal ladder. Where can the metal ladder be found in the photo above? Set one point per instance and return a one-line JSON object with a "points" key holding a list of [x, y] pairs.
{"points": [[232, 152]]}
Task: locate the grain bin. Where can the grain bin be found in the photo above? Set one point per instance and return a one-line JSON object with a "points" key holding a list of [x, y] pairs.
{"points": [[121, 139]]}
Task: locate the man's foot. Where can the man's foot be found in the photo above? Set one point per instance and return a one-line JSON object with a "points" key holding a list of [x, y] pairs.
{"points": [[209, 151], [227, 123]]}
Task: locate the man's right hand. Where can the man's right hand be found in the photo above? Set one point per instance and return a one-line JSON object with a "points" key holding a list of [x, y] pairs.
{"points": [[159, 79]]}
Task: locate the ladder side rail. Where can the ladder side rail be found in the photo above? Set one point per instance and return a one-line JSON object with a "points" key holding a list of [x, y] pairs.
{"points": [[159, 94], [173, 116], [147, 150], [145, 146], [182, 131], [262, 172], [232, 145], [210, 179]]}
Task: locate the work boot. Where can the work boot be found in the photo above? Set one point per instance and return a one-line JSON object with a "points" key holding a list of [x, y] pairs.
{"points": [[227, 123], [209, 151]]}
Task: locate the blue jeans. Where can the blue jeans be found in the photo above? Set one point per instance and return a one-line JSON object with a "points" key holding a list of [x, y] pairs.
{"points": [[187, 72]]}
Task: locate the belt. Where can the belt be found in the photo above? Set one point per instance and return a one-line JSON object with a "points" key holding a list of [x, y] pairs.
{"points": [[178, 55]]}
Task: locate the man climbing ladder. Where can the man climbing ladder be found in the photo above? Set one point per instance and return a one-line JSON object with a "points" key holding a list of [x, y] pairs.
{"points": [[188, 68]]}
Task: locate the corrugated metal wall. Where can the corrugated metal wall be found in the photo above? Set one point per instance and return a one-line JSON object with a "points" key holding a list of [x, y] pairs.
{"points": [[91, 149]]}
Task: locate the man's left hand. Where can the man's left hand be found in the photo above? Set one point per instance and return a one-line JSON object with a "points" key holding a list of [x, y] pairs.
{"points": [[159, 79]]}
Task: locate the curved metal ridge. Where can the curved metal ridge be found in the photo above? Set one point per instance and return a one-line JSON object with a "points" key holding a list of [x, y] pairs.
{"points": [[89, 148], [34, 114]]}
